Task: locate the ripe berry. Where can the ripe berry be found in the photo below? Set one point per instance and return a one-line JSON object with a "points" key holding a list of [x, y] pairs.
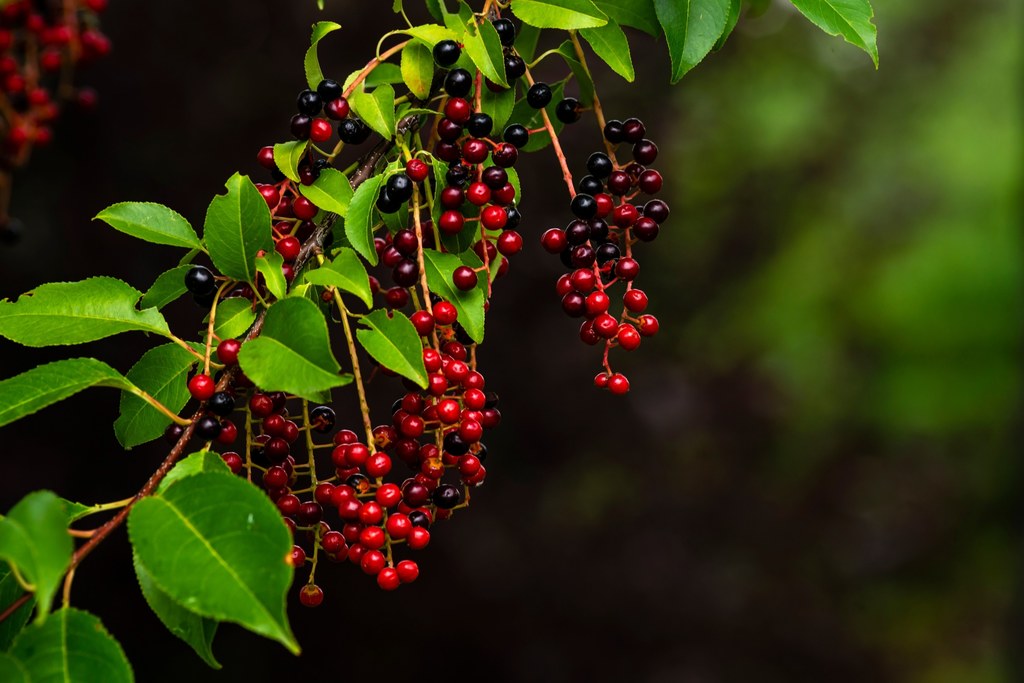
{"points": [[650, 181], [309, 103], [515, 67], [599, 165], [619, 182], [388, 579], [399, 187], [208, 427], [625, 215], [353, 132], [510, 242], [202, 387], [328, 90], [475, 151], [506, 31], [657, 210], [407, 571], [478, 194], [337, 109], [635, 300], [261, 405], [451, 222], [458, 110], [419, 538], [444, 314], [458, 83], [495, 217], [227, 351], [629, 338], [633, 130], [320, 130], [648, 325], [200, 281], [311, 595], [417, 170], [288, 247], [447, 52], [553, 240], [618, 384], [627, 268], [568, 110], [447, 496], [645, 152], [221, 403], [321, 419], [583, 206], [516, 135], [645, 229], [539, 95], [504, 155]]}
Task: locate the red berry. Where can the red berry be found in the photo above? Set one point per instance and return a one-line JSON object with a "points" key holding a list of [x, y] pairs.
{"points": [[629, 338], [423, 322], [419, 538], [606, 326], [451, 222], [311, 595], [407, 571], [372, 562], [618, 384], [627, 268], [266, 158], [320, 130], [445, 313], [464, 278], [288, 247], [398, 525], [478, 194], [597, 303], [494, 217], [650, 181], [601, 380], [553, 241], [297, 557], [625, 215], [378, 465], [510, 242], [417, 170], [458, 110], [337, 109], [304, 209], [635, 300], [389, 495], [388, 579], [202, 387], [648, 325]]}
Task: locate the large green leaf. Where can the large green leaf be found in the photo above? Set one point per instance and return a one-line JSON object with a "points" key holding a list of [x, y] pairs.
{"points": [[563, 14], [226, 531], [638, 14], [72, 647], [34, 539], [347, 273], [849, 18], [287, 156], [610, 44], [234, 316], [161, 373], [11, 670], [691, 28], [417, 68], [312, 62], [394, 343], [197, 463], [269, 266], [75, 312], [331, 191], [484, 47], [168, 286], [45, 385], [10, 591], [376, 108], [359, 221], [237, 227], [470, 305], [293, 352], [151, 222]]}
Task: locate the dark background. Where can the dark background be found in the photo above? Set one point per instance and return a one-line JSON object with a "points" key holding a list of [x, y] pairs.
{"points": [[814, 476]]}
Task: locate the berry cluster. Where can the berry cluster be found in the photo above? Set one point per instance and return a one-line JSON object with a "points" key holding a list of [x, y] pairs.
{"points": [[596, 247]]}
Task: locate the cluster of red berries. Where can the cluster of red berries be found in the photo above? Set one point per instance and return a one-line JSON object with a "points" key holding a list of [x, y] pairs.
{"points": [[597, 246]]}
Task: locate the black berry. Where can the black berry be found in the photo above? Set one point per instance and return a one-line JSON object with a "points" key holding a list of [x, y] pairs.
{"points": [[309, 103], [516, 135], [458, 83], [539, 95], [447, 52], [568, 110], [199, 281], [506, 32]]}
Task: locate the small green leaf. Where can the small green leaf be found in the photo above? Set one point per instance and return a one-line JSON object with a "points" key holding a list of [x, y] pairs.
{"points": [[167, 288], [71, 647], [849, 18], [498, 105], [34, 538], [76, 312], [359, 221], [384, 73], [151, 222], [234, 316], [431, 34], [10, 591], [376, 108], [347, 273], [293, 352], [483, 46], [331, 191], [226, 531], [45, 385], [161, 373], [691, 29], [270, 266], [417, 68], [288, 155], [730, 23], [76, 511], [470, 305], [637, 14], [196, 463], [434, 7], [583, 80], [610, 44], [237, 227], [394, 343], [11, 670], [312, 62], [563, 14]]}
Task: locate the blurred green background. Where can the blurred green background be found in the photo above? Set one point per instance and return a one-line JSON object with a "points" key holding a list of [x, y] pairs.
{"points": [[814, 477]]}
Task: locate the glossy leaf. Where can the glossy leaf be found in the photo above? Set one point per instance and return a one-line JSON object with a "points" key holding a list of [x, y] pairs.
{"points": [[470, 305], [394, 343], [417, 68], [527, 38], [563, 14], [730, 23], [237, 227], [10, 591], [60, 313], [483, 46], [359, 221], [287, 156], [583, 80], [226, 531], [34, 539], [71, 647], [850, 19], [293, 352], [431, 34], [384, 73], [498, 105], [347, 273], [166, 288], [638, 14], [269, 265], [162, 373], [376, 108], [331, 191], [234, 316], [610, 44], [197, 463], [691, 29], [151, 222], [312, 62]]}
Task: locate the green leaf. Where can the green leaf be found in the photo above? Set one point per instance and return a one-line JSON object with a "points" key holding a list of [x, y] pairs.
{"points": [[234, 316], [270, 266], [610, 44], [730, 23], [691, 29], [237, 227], [394, 343], [583, 80], [470, 305], [483, 46], [76, 511], [376, 108], [152, 223], [526, 41], [347, 273], [167, 288], [384, 73], [331, 191], [45, 385], [72, 647], [359, 221], [34, 539], [226, 531], [10, 591], [498, 105], [312, 62], [288, 155], [532, 119], [293, 352], [849, 18], [197, 631], [563, 14], [434, 7], [11, 670], [75, 312], [417, 68], [161, 373], [637, 14], [197, 463]]}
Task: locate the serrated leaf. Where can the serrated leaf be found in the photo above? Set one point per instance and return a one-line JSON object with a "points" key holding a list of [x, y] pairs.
{"points": [[331, 191], [483, 46], [293, 352], [347, 273], [583, 80], [166, 288], [417, 68], [226, 531], [610, 44], [498, 105], [691, 29], [71, 647], [197, 631], [394, 343], [151, 222], [197, 463], [563, 14], [638, 14], [287, 156], [850, 19], [11, 670], [376, 108], [312, 62], [161, 373], [76, 511], [269, 265], [237, 227], [45, 385], [234, 316], [526, 115], [359, 220], [434, 8], [730, 23], [10, 591], [470, 305], [34, 539], [61, 313]]}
